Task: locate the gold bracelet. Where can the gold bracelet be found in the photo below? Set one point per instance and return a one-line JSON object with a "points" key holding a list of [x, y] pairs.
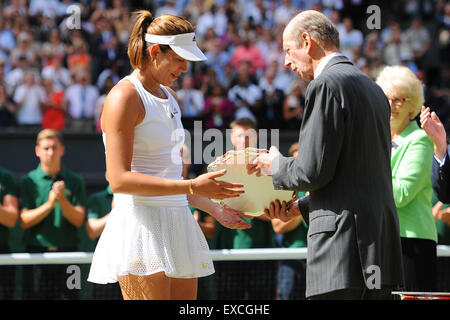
{"points": [[191, 191]]}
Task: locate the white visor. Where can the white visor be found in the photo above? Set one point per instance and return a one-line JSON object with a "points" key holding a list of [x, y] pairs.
{"points": [[183, 44]]}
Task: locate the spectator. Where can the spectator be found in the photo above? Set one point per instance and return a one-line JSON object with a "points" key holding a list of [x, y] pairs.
{"points": [[271, 111], [28, 97], [53, 207], [275, 55], [82, 101], [56, 71], [376, 65], [7, 39], [245, 279], [387, 33], [111, 71], [284, 13], [9, 213], [218, 109], [167, 8], [293, 106], [254, 11], [194, 9], [248, 51], [395, 49], [245, 95], [243, 133], [418, 39], [212, 18], [230, 38], [43, 7], [335, 18], [24, 48], [443, 25], [411, 162], [109, 84], [99, 206], [291, 274], [192, 103], [7, 109], [79, 57], [372, 45], [218, 58], [105, 44], [15, 76], [54, 106], [55, 44], [350, 38]]}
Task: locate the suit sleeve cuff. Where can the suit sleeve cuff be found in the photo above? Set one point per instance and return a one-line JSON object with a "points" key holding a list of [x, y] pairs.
{"points": [[440, 162]]}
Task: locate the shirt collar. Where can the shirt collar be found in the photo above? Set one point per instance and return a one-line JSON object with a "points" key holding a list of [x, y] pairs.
{"points": [[412, 126], [59, 175], [324, 62]]}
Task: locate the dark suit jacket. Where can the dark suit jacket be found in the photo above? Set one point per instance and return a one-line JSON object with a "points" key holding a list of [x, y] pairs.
{"points": [[344, 161], [440, 179]]}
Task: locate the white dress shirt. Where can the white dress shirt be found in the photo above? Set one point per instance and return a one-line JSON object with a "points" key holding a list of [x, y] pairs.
{"points": [[324, 62], [76, 108]]}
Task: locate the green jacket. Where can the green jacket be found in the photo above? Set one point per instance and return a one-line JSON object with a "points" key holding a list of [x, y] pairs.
{"points": [[411, 160]]}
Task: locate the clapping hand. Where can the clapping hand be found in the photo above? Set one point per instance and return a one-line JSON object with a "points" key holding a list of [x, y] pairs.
{"points": [[434, 128], [59, 188]]}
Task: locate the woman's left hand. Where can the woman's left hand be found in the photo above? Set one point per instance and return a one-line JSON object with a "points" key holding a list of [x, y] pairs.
{"points": [[230, 218]]}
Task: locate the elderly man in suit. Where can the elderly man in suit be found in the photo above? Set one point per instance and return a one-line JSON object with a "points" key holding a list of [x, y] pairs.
{"points": [[354, 249]]}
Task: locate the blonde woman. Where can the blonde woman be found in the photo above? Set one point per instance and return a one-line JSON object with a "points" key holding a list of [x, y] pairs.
{"points": [[151, 243], [411, 160]]}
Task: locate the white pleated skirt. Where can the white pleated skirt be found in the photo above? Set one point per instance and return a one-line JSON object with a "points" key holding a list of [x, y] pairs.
{"points": [[143, 240]]}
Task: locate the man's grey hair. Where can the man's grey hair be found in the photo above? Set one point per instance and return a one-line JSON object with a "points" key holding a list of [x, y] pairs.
{"points": [[317, 25]]}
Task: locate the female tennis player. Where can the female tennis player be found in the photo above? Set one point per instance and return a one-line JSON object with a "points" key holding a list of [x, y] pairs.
{"points": [[151, 243]]}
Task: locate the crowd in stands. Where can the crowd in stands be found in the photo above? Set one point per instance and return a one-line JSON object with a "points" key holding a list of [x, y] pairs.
{"points": [[55, 73]]}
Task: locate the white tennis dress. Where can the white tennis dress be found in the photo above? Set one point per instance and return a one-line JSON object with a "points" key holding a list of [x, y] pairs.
{"points": [[146, 235]]}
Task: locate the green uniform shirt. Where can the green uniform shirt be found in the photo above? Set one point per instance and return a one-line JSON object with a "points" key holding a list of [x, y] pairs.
{"points": [[296, 238], [7, 187], [99, 203], [203, 214], [54, 230], [260, 235]]}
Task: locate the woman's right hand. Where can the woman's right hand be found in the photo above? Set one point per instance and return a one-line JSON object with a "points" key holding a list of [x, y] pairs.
{"points": [[207, 186]]}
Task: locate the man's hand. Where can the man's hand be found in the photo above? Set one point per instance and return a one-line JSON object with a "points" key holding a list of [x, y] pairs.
{"points": [[263, 164], [59, 188], [231, 218], [284, 211], [441, 214], [52, 198]]}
